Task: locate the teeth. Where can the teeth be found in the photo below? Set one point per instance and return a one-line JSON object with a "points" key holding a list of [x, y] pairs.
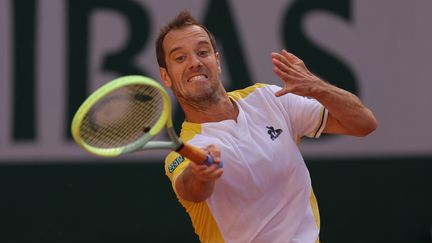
{"points": [[198, 77]]}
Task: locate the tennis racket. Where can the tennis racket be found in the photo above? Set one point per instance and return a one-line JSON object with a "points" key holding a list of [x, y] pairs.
{"points": [[124, 115]]}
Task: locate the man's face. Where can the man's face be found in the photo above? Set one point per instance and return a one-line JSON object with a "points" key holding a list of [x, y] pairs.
{"points": [[193, 68]]}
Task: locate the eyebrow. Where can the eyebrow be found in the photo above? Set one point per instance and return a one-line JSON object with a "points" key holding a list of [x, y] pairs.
{"points": [[173, 50], [203, 42]]}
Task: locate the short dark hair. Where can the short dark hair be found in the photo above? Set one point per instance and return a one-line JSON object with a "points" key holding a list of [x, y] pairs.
{"points": [[183, 19]]}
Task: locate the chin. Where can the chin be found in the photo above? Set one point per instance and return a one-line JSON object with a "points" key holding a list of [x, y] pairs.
{"points": [[202, 94]]}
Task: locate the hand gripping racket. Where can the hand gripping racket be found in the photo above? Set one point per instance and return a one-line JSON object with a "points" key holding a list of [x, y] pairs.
{"points": [[123, 116]]}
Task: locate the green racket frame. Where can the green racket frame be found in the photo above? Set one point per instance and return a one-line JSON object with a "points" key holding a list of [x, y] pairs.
{"points": [[141, 143]]}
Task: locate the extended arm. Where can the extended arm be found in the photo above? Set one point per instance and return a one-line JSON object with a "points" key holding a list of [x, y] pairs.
{"points": [[347, 114], [196, 182]]}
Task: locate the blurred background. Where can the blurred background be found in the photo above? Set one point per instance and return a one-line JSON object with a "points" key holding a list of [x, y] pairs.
{"points": [[54, 53]]}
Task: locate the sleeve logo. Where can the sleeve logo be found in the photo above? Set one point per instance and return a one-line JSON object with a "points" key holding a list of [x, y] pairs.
{"points": [[175, 163]]}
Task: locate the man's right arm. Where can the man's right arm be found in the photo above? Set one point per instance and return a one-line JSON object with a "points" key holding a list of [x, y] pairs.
{"points": [[196, 182]]}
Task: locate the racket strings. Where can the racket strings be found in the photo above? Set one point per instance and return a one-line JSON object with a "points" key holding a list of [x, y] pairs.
{"points": [[122, 116]]}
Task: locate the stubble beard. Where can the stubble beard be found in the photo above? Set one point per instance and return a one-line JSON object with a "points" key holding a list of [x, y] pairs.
{"points": [[201, 99]]}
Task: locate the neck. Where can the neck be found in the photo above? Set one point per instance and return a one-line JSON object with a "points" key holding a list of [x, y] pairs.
{"points": [[222, 109]]}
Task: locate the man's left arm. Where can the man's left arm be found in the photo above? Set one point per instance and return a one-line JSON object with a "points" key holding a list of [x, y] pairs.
{"points": [[347, 114]]}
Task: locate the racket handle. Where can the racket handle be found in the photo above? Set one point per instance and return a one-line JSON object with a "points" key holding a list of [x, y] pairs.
{"points": [[197, 155], [209, 161]]}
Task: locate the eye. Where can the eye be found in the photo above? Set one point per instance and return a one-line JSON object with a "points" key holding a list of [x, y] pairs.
{"points": [[203, 53], [180, 58]]}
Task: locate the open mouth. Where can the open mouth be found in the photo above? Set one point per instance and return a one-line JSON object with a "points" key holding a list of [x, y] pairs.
{"points": [[200, 77]]}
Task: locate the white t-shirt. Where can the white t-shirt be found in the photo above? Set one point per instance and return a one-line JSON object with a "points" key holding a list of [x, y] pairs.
{"points": [[265, 192]]}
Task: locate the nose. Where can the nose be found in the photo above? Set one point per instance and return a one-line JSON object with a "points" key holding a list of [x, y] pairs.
{"points": [[194, 62]]}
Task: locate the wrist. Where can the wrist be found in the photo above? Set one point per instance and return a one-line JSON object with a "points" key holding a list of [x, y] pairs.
{"points": [[320, 90]]}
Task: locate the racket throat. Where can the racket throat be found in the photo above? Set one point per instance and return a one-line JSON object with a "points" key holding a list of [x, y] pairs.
{"points": [[179, 147]]}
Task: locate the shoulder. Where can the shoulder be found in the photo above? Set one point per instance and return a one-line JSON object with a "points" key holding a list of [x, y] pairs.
{"points": [[258, 87], [189, 130]]}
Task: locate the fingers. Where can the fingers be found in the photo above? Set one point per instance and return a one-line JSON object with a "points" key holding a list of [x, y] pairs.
{"points": [[291, 58], [284, 71], [281, 92], [208, 173], [291, 70], [214, 152], [288, 59], [279, 64], [288, 63], [295, 75], [285, 77]]}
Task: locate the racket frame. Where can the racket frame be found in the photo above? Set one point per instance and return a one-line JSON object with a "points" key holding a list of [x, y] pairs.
{"points": [[142, 142]]}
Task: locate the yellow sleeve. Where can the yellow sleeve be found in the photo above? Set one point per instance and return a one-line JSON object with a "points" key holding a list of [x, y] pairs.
{"points": [[174, 166], [202, 219]]}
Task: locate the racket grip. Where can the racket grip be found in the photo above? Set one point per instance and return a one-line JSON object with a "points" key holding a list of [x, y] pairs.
{"points": [[209, 161], [197, 155]]}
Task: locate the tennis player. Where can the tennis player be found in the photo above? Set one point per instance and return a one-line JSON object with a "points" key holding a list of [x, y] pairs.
{"points": [[263, 193]]}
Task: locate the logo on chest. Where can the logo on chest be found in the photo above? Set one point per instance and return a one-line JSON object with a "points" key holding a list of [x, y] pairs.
{"points": [[274, 133]]}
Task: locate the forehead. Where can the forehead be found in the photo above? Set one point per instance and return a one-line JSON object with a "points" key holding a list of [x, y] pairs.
{"points": [[189, 35]]}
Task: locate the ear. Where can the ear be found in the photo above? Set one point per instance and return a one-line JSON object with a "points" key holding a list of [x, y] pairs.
{"points": [[165, 77], [218, 62]]}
